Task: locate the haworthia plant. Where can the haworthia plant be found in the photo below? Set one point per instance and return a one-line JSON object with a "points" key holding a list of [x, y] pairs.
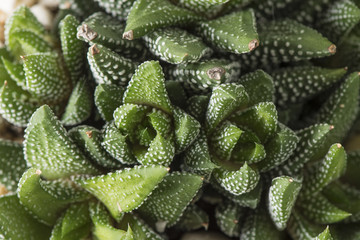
{"points": [[150, 119]]}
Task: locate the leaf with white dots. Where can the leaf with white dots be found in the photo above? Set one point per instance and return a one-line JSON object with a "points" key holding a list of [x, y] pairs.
{"points": [[105, 30], [325, 171], [229, 217], [148, 15], [279, 149], [45, 207], [297, 84], [282, 196], [140, 229], [17, 223], [225, 100], [117, 8], [16, 72], [176, 93], [340, 109], [80, 104], [235, 32], [116, 144], [89, 139], [325, 235], [193, 218], [318, 209], [204, 7], [125, 190], [72, 48], [239, 181], [48, 147], [176, 46], [46, 77], [109, 67], [187, 128], [197, 106], [30, 42], [201, 77], [12, 164], [299, 228], [82, 8], [108, 97], [259, 85], [147, 87], [169, 200]]}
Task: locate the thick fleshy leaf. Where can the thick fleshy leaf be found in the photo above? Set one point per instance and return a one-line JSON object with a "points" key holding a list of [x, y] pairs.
{"points": [[187, 128], [76, 217], [318, 209], [48, 148], [168, 201], [300, 228], [282, 196], [17, 223], [279, 149], [193, 218], [259, 85], [148, 15], [16, 72], [341, 109], [324, 172], [82, 8], [107, 98], [235, 32], [239, 181], [203, 6], [325, 235], [261, 119], [72, 48], [46, 77], [202, 76], [117, 8], [147, 87], [258, 226], [298, 84], [225, 100], [140, 229], [125, 190], [89, 139], [30, 42], [79, 233], [80, 104], [176, 93], [351, 176], [229, 217], [197, 106], [176, 46], [117, 145], [105, 30], [12, 164], [109, 67], [42, 205]]}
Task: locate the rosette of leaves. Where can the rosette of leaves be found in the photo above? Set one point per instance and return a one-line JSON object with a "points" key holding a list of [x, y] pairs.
{"points": [[36, 69]]}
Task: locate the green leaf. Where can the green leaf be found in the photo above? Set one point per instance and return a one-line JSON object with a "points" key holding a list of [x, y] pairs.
{"points": [[147, 87], [203, 76], [300, 228], [116, 144], [117, 8], [324, 172], [16, 105], [193, 218], [187, 128], [176, 93], [76, 217], [197, 106], [351, 176], [297, 84], [12, 164], [104, 30], [81, 8], [16, 72], [225, 100], [176, 46], [169, 200], [42, 205], [148, 15], [47, 147], [125, 190], [239, 181], [140, 229], [109, 67], [16, 223], [71, 47], [318, 209], [282, 196], [203, 6], [325, 235], [340, 109], [21, 18], [46, 77], [108, 97], [258, 226], [79, 233], [30, 42], [259, 85], [222, 34], [279, 149], [229, 217], [80, 104], [89, 139]]}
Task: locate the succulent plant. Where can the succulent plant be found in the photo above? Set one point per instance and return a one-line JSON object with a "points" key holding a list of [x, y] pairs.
{"points": [[231, 116]]}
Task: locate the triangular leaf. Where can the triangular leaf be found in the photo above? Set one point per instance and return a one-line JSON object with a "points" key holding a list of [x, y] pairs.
{"points": [[229, 218], [107, 98]]}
